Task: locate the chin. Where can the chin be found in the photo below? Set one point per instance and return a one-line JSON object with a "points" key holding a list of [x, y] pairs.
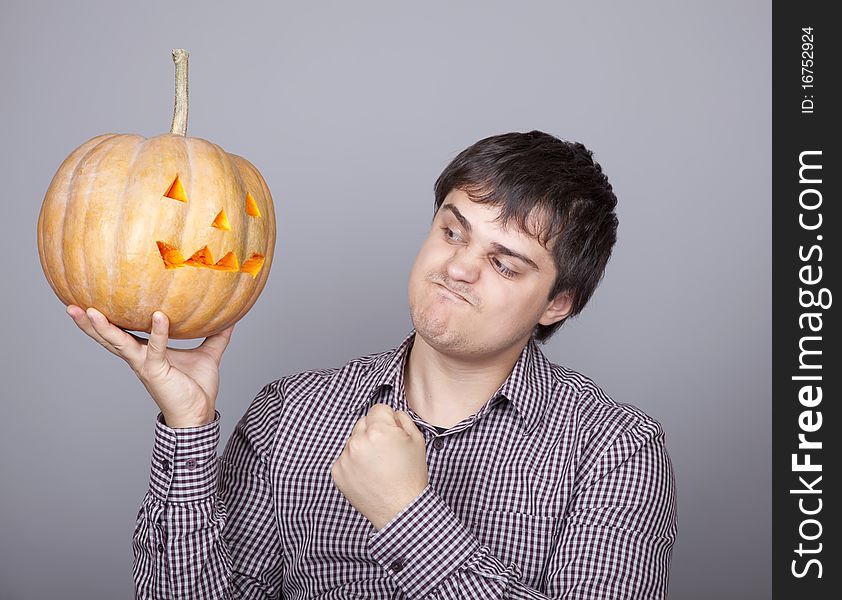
{"points": [[464, 339], [449, 341], [438, 331]]}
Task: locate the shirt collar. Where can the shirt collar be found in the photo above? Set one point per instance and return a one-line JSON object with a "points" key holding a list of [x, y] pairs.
{"points": [[528, 387], [386, 370]]}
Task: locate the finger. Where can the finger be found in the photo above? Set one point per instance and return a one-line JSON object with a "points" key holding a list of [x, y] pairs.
{"points": [[381, 412], [215, 344], [156, 349], [80, 317], [74, 311], [359, 427], [112, 337], [408, 425], [118, 341]]}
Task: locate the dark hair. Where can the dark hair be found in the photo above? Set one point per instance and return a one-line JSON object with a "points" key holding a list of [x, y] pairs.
{"points": [[555, 192]]}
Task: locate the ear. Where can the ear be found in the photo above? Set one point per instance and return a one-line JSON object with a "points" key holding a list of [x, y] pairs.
{"points": [[558, 309]]}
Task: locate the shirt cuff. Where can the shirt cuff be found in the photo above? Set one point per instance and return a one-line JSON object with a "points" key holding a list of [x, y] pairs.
{"points": [[423, 545], [184, 461]]}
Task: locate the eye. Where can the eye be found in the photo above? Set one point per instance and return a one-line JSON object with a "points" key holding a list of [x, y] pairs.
{"points": [[503, 269], [451, 235], [251, 206]]}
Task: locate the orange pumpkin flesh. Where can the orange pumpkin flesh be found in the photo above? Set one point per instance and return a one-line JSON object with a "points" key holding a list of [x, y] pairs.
{"points": [[122, 212]]}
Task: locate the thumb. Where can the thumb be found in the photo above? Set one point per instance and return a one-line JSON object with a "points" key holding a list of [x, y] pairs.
{"points": [[407, 424], [156, 348]]}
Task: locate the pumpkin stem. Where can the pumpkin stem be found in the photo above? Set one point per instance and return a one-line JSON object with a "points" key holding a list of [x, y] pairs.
{"points": [[179, 113]]}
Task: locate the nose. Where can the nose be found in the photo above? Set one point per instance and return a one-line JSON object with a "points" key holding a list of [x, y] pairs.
{"points": [[463, 266]]}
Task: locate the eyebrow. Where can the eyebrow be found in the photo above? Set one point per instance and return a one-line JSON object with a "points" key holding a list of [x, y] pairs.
{"points": [[499, 248]]}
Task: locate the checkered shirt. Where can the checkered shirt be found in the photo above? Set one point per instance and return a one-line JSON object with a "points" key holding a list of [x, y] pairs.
{"points": [[551, 490]]}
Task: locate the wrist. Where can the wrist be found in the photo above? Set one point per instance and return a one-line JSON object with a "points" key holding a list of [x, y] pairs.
{"points": [[383, 517], [184, 462], [176, 421]]}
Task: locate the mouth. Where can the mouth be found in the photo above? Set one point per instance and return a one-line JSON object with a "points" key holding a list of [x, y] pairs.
{"points": [[452, 293]]}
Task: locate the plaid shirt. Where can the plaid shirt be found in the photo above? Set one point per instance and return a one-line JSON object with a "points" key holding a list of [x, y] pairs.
{"points": [[551, 490]]}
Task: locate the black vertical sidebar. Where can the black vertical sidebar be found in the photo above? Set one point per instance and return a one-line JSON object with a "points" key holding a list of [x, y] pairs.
{"points": [[806, 366]]}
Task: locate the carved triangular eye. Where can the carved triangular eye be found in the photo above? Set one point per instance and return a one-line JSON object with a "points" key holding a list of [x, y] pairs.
{"points": [[176, 190], [221, 221], [251, 206]]}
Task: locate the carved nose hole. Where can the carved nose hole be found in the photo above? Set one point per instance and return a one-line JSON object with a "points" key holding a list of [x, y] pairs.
{"points": [[221, 221]]}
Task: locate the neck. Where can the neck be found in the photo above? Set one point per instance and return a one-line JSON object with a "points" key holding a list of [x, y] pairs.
{"points": [[445, 389]]}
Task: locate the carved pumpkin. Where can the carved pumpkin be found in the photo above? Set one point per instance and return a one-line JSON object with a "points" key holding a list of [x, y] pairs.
{"points": [[130, 225]]}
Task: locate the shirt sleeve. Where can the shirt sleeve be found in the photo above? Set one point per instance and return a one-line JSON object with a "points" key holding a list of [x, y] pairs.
{"points": [[616, 538], [205, 529]]}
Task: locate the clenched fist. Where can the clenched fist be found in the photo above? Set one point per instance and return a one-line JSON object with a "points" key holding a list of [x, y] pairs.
{"points": [[383, 465]]}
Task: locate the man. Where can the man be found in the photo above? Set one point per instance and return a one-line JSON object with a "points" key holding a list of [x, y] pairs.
{"points": [[462, 464]]}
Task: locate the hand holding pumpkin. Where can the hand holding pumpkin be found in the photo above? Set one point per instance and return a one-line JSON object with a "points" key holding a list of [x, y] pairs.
{"points": [[183, 383]]}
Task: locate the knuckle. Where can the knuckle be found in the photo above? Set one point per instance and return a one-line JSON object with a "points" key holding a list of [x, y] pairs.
{"points": [[377, 427], [150, 372], [377, 431], [380, 409], [143, 374]]}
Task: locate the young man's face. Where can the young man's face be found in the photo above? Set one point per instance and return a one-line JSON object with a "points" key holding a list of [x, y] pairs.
{"points": [[503, 277]]}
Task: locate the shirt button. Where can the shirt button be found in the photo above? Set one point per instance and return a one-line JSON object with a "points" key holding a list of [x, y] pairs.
{"points": [[438, 444], [165, 465], [160, 547], [190, 463], [397, 565]]}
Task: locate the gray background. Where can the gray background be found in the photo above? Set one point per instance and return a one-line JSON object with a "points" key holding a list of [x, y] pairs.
{"points": [[350, 111]]}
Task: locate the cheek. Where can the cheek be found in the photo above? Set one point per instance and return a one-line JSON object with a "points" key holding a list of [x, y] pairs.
{"points": [[431, 256], [419, 266], [520, 300]]}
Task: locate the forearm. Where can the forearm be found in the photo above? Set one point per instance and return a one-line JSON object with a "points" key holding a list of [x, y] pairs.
{"points": [[207, 528], [430, 554], [179, 550], [178, 543]]}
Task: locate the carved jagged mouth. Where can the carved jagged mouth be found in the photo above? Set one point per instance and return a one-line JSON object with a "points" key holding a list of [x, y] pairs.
{"points": [[173, 259]]}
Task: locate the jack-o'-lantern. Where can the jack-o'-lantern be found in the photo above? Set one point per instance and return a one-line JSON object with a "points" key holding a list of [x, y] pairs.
{"points": [[130, 225]]}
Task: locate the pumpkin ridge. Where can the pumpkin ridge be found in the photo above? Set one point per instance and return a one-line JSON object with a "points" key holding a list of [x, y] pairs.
{"points": [[222, 286], [245, 248], [118, 231], [269, 253], [244, 166], [105, 304], [84, 269], [208, 287], [71, 184], [235, 287], [184, 141], [55, 200]]}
